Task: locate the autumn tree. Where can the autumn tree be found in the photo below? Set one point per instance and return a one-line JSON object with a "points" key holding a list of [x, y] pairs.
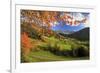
{"points": [[25, 42], [47, 18]]}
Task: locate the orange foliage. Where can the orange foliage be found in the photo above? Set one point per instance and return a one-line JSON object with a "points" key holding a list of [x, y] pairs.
{"points": [[46, 17], [25, 43]]}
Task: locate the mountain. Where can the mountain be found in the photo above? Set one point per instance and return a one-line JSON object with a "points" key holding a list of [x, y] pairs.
{"points": [[81, 35]]}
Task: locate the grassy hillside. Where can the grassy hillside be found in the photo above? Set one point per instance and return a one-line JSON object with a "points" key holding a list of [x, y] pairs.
{"points": [[55, 48]]}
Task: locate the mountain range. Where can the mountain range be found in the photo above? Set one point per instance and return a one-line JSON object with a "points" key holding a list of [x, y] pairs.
{"points": [[83, 34]]}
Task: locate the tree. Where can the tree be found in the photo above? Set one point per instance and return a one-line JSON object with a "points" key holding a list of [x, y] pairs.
{"points": [[25, 42]]}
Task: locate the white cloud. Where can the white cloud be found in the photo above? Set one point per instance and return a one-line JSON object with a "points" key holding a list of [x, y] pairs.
{"points": [[86, 24], [78, 16]]}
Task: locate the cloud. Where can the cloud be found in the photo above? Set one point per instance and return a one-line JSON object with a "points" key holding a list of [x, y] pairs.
{"points": [[73, 19], [78, 16]]}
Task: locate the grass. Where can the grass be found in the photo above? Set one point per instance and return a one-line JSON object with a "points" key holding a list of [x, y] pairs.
{"points": [[62, 44], [45, 56], [38, 54]]}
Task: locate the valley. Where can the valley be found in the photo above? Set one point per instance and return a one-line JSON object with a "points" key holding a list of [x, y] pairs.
{"points": [[40, 43]]}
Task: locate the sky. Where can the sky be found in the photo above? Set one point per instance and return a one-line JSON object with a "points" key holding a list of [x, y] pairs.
{"points": [[77, 16], [68, 27]]}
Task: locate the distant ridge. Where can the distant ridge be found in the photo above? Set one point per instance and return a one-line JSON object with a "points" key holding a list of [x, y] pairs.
{"points": [[81, 35]]}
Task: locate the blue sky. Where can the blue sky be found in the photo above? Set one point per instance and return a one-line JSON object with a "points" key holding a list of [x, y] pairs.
{"points": [[62, 26], [68, 27]]}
